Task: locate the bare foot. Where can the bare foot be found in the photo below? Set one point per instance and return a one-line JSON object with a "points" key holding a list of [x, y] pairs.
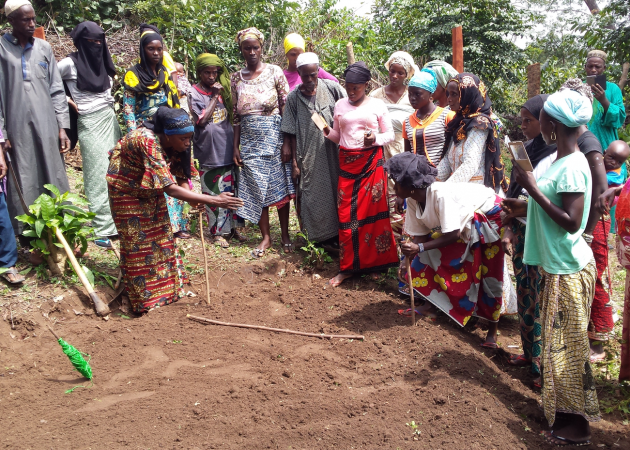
{"points": [[427, 310], [375, 276], [336, 281], [597, 351]]}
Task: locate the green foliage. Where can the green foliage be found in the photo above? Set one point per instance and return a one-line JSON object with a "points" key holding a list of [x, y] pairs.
{"points": [[66, 14], [61, 211], [424, 29], [316, 256]]}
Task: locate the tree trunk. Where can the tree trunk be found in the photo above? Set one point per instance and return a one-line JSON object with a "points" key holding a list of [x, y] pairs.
{"points": [[592, 6], [624, 75]]}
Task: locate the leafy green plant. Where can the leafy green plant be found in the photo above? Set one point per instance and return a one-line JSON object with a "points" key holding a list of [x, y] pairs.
{"points": [[61, 212], [316, 256]]}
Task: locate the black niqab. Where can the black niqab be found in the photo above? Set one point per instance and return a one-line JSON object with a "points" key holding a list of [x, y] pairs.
{"points": [[93, 61]]}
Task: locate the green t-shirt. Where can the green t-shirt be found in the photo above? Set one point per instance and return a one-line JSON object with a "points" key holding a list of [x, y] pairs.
{"points": [[547, 244]]}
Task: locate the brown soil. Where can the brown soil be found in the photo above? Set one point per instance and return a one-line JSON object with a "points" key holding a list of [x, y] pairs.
{"points": [[163, 381]]}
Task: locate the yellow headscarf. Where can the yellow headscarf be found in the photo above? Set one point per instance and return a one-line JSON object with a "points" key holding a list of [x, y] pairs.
{"points": [[292, 41]]}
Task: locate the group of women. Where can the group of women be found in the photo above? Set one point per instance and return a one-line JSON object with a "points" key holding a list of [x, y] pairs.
{"points": [[419, 157]]}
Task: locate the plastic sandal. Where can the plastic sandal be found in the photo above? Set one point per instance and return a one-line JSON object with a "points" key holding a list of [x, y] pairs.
{"points": [[565, 442], [491, 345], [288, 248], [258, 253], [19, 279], [518, 360], [221, 242], [182, 235], [103, 243]]}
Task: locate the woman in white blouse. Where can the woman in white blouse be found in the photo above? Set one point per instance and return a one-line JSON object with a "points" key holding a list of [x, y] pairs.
{"points": [[457, 258]]}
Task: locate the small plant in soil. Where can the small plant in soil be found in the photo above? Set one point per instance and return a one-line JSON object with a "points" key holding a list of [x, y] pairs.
{"points": [[414, 428], [315, 256], [63, 212]]}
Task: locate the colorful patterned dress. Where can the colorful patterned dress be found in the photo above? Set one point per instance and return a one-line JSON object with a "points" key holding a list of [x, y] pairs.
{"points": [[464, 278], [138, 173]]}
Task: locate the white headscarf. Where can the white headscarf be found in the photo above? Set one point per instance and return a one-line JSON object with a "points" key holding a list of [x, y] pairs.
{"points": [[405, 60], [307, 58], [13, 5]]}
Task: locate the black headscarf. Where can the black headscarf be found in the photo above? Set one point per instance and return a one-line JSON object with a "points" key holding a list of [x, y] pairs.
{"points": [[141, 78], [93, 62], [536, 149], [357, 73], [475, 112], [411, 171]]}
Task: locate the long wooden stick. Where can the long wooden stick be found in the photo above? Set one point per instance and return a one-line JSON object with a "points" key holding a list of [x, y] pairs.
{"points": [[205, 257], [51, 330], [101, 307], [410, 284], [277, 330]]}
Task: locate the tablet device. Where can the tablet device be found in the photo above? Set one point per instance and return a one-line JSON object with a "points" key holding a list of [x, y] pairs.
{"points": [[517, 148]]}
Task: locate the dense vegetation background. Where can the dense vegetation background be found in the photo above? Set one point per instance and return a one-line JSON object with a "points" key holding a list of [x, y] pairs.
{"points": [[558, 39]]}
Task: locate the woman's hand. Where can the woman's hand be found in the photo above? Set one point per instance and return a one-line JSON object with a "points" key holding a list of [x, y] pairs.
{"points": [[73, 105], [295, 172], [400, 205], [369, 139], [605, 201], [514, 207], [508, 241], [225, 200], [523, 177], [237, 158], [409, 249], [216, 88]]}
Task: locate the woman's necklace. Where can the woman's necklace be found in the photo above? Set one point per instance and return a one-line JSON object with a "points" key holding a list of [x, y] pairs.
{"points": [[425, 117]]}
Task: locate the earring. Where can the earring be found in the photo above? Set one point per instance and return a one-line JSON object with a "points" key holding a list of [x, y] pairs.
{"points": [[413, 192], [553, 136]]}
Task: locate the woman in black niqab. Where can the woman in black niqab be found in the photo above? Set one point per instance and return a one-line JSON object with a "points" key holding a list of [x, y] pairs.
{"points": [[92, 60]]}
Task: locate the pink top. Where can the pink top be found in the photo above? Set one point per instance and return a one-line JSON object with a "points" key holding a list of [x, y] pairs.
{"points": [[351, 123], [294, 78]]}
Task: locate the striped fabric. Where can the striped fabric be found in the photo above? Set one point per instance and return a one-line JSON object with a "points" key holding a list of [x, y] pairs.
{"points": [[433, 131]]}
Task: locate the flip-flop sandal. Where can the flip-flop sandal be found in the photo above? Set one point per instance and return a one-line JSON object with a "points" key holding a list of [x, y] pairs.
{"points": [[182, 235], [537, 384], [221, 242], [595, 359], [238, 236], [518, 360], [13, 271], [407, 312], [491, 345], [288, 248], [104, 243], [565, 442], [258, 253]]}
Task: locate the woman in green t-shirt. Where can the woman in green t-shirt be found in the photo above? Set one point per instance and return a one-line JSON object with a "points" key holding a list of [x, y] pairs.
{"points": [[556, 217]]}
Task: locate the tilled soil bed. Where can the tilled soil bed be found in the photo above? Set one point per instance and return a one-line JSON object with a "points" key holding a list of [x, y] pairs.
{"points": [[162, 381]]}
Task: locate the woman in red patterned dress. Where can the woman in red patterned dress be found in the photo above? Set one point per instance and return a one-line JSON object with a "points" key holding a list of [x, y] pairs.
{"points": [[148, 162]]}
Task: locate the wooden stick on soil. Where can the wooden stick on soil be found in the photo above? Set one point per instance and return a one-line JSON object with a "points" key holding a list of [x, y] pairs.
{"points": [[54, 334], [101, 308], [410, 284], [205, 257], [277, 330]]}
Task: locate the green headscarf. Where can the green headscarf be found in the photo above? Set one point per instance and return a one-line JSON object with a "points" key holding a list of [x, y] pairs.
{"points": [[444, 72], [208, 59]]}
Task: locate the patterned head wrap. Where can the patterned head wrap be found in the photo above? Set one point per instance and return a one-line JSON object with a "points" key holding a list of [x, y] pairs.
{"points": [[357, 73], [425, 79], [569, 108], [443, 71], [411, 171], [250, 33], [404, 59], [208, 59], [307, 58], [475, 112], [292, 41], [575, 84], [13, 5], [597, 54], [170, 121]]}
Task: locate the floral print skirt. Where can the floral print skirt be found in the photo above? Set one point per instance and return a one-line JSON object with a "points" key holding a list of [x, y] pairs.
{"points": [[465, 279]]}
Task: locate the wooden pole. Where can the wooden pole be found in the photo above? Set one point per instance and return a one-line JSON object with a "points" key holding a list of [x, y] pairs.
{"points": [[277, 330], [533, 80], [205, 257], [410, 284], [101, 308], [350, 53], [458, 49]]}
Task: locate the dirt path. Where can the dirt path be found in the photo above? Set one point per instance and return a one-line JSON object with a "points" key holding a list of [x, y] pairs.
{"points": [[162, 381]]}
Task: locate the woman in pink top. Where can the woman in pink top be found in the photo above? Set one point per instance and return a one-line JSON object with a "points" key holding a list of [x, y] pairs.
{"points": [[294, 46], [366, 240]]}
